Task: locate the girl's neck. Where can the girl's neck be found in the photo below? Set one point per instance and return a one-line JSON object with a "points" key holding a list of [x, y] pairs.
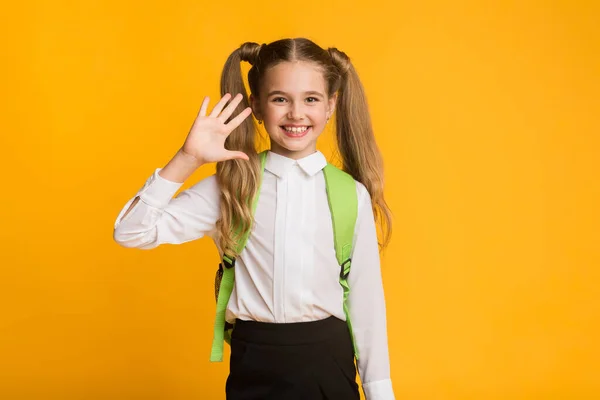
{"points": [[294, 155]]}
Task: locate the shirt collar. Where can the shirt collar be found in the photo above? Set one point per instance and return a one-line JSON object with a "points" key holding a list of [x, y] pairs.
{"points": [[280, 165]]}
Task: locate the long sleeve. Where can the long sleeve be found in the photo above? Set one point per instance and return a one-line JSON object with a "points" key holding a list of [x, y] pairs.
{"points": [[159, 218], [367, 306]]}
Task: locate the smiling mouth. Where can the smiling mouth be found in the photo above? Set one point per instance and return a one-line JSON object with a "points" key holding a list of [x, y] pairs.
{"points": [[295, 131]]}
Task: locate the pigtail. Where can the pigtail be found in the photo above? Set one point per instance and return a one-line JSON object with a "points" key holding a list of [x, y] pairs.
{"points": [[358, 149], [238, 179]]}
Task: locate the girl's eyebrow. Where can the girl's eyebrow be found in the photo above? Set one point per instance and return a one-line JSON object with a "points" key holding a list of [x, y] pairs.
{"points": [[279, 92]]}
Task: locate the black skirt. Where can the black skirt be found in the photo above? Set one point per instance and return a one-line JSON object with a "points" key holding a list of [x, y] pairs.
{"points": [[294, 361]]}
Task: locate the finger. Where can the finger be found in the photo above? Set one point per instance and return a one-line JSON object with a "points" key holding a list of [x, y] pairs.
{"points": [[232, 155], [204, 107], [234, 123], [231, 107], [217, 110]]}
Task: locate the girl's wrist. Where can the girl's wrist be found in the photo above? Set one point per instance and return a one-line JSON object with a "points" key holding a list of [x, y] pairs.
{"points": [[187, 158], [180, 167]]}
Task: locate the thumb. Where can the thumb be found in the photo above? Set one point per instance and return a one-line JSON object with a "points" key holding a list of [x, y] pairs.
{"points": [[231, 155]]}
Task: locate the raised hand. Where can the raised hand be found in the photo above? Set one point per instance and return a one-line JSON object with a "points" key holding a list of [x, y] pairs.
{"points": [[206, 140]]}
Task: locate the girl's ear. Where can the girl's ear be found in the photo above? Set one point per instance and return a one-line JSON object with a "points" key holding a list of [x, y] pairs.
{"points": [[255, 104], [331, 105]]}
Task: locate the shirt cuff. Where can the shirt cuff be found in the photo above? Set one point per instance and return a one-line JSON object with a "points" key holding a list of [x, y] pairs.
{"points": [[158, 191], [379, 390]]}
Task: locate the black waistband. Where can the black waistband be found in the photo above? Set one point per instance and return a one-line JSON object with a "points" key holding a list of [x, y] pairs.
{"points": [[294, 333]]}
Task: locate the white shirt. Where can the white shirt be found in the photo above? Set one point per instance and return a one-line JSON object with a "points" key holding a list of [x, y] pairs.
{"points": [[288, 271]]}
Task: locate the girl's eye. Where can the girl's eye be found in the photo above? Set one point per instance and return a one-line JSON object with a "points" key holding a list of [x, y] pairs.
{"points": [[278, 99], [312, 99]]}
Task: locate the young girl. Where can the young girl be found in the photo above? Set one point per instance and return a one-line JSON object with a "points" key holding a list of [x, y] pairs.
{"points": [[291, 340]]}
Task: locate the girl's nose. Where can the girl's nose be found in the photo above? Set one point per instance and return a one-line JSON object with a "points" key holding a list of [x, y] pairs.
{"points": [[295, 112]]}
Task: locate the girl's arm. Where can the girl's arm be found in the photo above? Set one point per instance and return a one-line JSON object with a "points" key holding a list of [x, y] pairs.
{"points": [[367, 308], [152, 217], [180, 168]]}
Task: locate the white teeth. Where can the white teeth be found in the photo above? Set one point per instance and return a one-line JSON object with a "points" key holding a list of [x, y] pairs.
{"points": [[295, 129]]}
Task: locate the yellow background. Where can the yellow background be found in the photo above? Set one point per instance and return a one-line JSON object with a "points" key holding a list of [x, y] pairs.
{"points": [[487, 114]]}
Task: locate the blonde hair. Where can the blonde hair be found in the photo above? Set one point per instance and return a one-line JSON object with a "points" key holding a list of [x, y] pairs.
{"points": [[360, 157]]}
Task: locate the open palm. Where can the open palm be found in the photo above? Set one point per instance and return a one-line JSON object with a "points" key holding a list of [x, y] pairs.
{"points": [[206, 139]]}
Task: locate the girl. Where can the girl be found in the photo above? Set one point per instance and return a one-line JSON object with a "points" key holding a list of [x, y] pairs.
{"points": [[290, 340]]}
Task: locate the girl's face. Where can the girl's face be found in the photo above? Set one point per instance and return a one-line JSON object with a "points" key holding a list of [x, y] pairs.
{"points": [[294, 106]]}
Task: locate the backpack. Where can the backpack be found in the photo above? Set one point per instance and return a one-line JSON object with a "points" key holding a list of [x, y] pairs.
{"points": [[343, 204]]}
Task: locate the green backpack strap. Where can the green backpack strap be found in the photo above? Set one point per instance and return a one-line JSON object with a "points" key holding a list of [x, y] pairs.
{"points": [[222, 331], [343, 204]]}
